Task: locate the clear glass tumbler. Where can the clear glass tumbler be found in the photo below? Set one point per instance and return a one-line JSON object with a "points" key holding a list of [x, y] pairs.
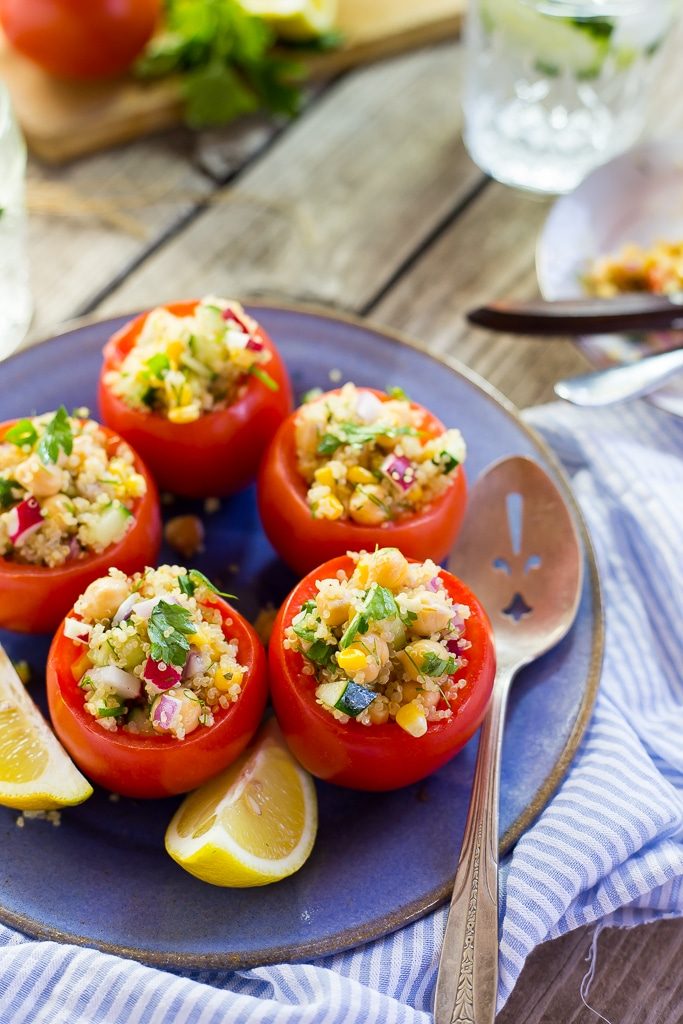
{"points": [[15, 294], [555, 87]]}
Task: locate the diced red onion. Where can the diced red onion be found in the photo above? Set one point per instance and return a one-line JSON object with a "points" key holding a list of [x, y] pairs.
{"points": [[77, 631], [230, 314], [452, 646], [143, 609], [125, 684], [161, 675], [399, 470], [195, 664], [434, 584], [24, 519], [125, 609], [254, 345], [165, 712], [74, 548], [368, 406]]}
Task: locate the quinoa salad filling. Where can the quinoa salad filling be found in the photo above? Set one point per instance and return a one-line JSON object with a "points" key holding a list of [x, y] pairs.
{"points": [[182, 367], [371, 459], [66, 490], [656, 268], [155, 659], [385, 644]]}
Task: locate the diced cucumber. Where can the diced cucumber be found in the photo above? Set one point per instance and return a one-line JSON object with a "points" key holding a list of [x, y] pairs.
{"points": [[330, 693], [109, 527], [558, 42], [350, 698]]}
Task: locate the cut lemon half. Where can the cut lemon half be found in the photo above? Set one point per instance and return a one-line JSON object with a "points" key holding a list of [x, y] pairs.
{"points": [[298, 20], [253, 824], [36, 773]]}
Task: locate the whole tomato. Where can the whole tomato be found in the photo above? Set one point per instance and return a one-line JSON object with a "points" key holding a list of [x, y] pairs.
{"points": [[376, 757], [80, 38], [304, 542], [215, 455], [157, 766], [35, 598]]}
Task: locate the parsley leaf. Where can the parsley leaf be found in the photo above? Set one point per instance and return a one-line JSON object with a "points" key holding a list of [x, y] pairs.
{"points": [[379, 603], [7, 493], [57, 434], [168, 627], [357, 434], [158, 365], [321, 653], [22, 433], [192, 579], [433, 665]]}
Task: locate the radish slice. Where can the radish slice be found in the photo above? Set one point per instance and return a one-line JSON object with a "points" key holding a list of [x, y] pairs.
{"points": [[77, 631], [125, 684], [399, 470], [125, 609], [161, 675], [24, 519], [166, 712]]}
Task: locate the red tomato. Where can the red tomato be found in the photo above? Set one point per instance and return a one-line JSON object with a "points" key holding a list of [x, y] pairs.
{"points": [[156, 766], [34, 599], [80, 38], [376, 757], [215, 455], [304, 542]]}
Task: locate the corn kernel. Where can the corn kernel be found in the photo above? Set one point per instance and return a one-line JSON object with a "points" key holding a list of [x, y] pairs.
{"points": [[329, 507], [416, 493], [352, 660], [183, 414], [359, 475], [325, 476], [81, 665], [197, 639], [174, 351], [135, 485], [360, 574], [412, 720], [223, 682]]}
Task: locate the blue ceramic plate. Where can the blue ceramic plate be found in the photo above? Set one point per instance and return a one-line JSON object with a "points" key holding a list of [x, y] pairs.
{"points": [[103, 879]]}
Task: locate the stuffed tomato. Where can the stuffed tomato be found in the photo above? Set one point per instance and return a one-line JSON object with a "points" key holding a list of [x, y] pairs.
{"points": [[74, 500], [199, 389], [381, 669], [154, 682], [355, 468]]}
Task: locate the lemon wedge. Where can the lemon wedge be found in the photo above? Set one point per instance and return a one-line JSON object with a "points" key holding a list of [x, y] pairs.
{"points": [[36, 774], [253, 824], [298, 20]]}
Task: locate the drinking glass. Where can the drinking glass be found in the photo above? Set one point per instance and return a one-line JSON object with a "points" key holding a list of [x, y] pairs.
{"points": [[15, 294], [555, 87]]}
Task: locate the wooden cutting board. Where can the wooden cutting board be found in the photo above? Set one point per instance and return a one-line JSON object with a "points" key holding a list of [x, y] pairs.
{"points": [[62, 120]]}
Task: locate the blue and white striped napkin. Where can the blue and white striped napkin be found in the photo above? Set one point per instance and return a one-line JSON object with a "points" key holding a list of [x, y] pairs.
{"points": [[609, 847]]}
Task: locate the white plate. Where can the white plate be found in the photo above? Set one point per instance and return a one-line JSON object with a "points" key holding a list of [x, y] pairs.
{"points": [[637, 197]]}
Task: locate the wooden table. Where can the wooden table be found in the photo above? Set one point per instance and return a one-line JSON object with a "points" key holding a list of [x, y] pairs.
{"points": [[368, 203]]}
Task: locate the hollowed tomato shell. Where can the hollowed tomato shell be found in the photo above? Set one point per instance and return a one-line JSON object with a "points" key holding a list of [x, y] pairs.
{"points": [[156, 766], [376, 757], [215, 455], [304, 542], [34, 599]]}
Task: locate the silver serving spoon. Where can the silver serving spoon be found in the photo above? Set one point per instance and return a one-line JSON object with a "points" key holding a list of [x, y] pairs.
{"points": [[621, 383], [520, 553]]}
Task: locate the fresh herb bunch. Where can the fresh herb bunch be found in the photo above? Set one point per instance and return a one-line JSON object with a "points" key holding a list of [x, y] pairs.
{"points": [[226, 59]]}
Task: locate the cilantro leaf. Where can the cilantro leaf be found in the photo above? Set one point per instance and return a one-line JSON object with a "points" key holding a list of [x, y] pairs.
{"points": [[358, 434], [168, 627], [445, 461], [158, 365], [192, 579], [8, 498], [22, 433], [379, 603], [433, 665], [57, 435], [321, 653]]}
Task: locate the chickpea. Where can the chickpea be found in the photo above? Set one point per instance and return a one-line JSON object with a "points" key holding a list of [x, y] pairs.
{"points": [[377, 651], [190, 711], [307, 428], [431, 611], [388, 567], [185, 534], [58, 508], [412, 657], [379, 711], [102, 598], [333, 605], [41, 481], [367, 505]]}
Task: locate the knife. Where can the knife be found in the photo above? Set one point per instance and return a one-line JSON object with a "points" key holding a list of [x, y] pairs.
{"points": [[639, 311]]}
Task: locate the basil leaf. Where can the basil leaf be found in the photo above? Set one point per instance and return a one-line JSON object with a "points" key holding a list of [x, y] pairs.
{"points": [[22, 433], [167, 628], [57, 435]]}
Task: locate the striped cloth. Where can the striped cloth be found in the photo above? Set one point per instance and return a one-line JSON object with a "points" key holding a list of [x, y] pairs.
{"points": [[609, 847]]}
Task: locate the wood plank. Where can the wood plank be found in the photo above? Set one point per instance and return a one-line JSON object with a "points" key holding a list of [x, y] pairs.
{"points": [[62, 120], [337, 204], [636, 979], [487, 253]]}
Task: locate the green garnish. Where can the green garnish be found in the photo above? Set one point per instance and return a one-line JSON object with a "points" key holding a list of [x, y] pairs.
{"points": [[264, 377], [433, 665], [398, 393], [168, 627], [358, 434], [111, 712], [7, 496], [379, 603], [321, 653], [445, 461], [149, 396], [57, 435], [158, 365], [310, 395], [22, 433], [192, 579], [226, 62]]}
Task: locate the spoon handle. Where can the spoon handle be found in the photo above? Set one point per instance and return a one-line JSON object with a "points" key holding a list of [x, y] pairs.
{"points": [[621, 383], [467, 982]]}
